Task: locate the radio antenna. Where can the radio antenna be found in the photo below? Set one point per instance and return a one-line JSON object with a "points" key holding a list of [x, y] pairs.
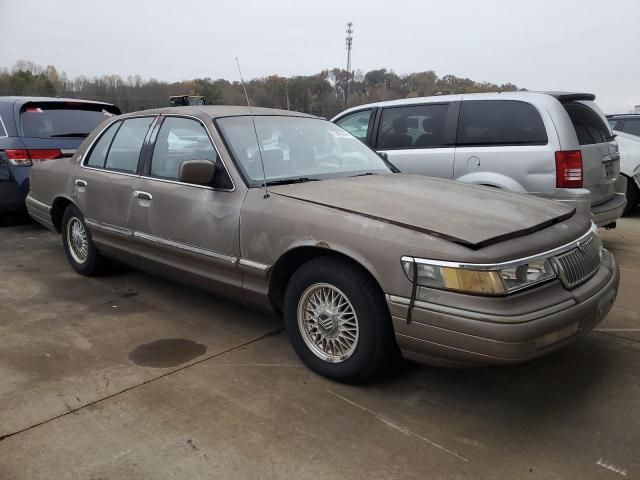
{"points": [[255, 131]]}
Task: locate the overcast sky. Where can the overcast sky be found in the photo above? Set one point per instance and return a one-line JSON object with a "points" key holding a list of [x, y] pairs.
{"points": [[587, 45]]}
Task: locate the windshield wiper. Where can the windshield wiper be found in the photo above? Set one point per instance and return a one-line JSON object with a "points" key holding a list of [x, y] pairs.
{"points": [[363, 174], [78, 135], [286, 181]]}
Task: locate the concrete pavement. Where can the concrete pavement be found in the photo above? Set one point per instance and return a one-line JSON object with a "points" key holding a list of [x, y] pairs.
{"points": [[88, 390]]}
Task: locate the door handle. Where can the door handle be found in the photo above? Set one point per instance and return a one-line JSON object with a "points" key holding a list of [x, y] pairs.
{"points": [[80, 183], [142, 195]]}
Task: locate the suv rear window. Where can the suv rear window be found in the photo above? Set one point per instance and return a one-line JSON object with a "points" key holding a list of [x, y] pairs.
{"points": [[590, 128], [63, 119], [500, 122]]}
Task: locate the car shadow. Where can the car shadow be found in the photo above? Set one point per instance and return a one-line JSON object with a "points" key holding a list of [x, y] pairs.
{"points": [[15, 219], [551, 387]]}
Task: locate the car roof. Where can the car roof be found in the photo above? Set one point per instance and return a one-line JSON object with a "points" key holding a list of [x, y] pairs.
{"points": [[24, 99], [219, 111], [524, 94]]}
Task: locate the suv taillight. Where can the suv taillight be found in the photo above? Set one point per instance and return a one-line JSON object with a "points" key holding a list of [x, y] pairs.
{"points": [[24, 158], [569, 169]]}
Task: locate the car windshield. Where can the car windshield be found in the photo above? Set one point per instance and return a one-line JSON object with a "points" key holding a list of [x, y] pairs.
{"points": [[297, 149]]}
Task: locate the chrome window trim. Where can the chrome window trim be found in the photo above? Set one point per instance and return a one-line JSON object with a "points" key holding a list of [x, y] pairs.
{"points": [[501, 265], [253, 264], [4, 128], [82, 159], [185, 247]]}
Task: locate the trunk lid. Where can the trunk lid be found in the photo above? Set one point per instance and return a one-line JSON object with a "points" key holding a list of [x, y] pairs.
{"points": [[466, 214]]}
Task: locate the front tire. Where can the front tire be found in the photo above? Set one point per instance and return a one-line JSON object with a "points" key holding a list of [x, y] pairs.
{"points": [[337, 320], [78, 245]]}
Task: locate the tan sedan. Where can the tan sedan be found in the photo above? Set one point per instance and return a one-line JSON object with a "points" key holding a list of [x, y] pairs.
{"points": [[362, 261]]}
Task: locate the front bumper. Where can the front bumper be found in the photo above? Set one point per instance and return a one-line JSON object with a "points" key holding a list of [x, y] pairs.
{"points": [[448, 334]]}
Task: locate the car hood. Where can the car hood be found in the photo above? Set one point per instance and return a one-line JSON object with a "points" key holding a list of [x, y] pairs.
{"points": [[470, 215]]}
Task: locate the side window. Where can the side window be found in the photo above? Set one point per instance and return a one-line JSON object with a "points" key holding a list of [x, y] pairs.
{"points": [[125, 148], [3, 132], [99, 152], [614, 123], [419, 126], [590, 128], [181, 139], [632, 126], [500, 122], [357, 124]]}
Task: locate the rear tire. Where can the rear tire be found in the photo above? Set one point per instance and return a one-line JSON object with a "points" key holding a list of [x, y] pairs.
{"points": [[78, 245], [633, 196], [337, 320]]}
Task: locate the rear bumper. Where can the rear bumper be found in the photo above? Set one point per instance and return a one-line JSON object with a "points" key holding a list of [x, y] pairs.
{"points": [[453, 336], [609, 212]]}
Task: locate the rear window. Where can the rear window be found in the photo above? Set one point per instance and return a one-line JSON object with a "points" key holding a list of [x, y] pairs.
{"points": [[590, 128], [63, 119], [500, 122]]}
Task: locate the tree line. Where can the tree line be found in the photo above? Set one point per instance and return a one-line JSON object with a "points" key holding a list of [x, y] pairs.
{"points": [[321, 94]]}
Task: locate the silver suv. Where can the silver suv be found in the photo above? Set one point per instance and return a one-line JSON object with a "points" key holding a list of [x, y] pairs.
{"points": [[556, 145]]}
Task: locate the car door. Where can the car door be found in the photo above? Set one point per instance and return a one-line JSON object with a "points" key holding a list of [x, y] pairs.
{"points": [[504, 143], [419, 138], [104, 182], [191, 228]]}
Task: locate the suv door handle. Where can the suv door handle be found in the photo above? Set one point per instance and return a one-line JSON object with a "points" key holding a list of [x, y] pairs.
{"points": [[142, 195], [80, 183]]}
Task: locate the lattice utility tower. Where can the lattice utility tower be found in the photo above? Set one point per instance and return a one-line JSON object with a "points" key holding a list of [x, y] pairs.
{"points": [[349, 42]]}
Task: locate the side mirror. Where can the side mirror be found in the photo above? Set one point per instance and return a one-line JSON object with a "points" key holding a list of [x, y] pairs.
{"points": [[198, 172]]}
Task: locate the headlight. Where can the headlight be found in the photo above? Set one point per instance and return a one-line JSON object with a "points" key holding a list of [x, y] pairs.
{"points": [[478, 281], [526, 274]]}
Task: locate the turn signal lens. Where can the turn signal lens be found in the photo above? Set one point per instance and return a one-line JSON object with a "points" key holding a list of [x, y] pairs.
{"points": [[479, 282]]}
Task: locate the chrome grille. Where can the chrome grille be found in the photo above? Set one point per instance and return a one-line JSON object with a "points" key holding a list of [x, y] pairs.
{"points": [[578, 264]]}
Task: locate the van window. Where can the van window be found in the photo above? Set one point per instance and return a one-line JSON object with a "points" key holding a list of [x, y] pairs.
{"points": [[357, 124], [590, 128], [125, 148], [632, 126], [418, 126], [500, 122], [3, 132], [99, 152]]}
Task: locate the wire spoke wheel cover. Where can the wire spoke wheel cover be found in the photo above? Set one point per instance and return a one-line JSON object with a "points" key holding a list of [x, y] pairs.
{"points": [[328, 322], [77, 240]]}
